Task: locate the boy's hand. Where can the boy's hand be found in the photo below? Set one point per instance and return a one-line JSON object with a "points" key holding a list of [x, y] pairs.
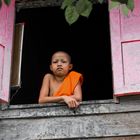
{"points": [[71, 102]]}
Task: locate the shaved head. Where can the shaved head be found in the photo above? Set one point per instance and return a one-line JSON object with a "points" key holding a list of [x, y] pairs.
{"points": [[62, 53]]}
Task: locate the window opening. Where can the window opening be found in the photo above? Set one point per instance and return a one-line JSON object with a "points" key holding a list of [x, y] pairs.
{"points": [[87, 41]]}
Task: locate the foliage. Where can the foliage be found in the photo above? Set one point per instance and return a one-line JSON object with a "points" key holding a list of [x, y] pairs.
{"points": [[76, 8], [7, 2]]}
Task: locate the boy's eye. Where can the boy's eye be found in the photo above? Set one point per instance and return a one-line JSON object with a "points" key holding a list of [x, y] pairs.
{"points": [[54, 62], [64, 61]]}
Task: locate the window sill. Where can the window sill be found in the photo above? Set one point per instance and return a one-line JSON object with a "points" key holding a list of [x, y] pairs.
{"points": [[61, 110]]}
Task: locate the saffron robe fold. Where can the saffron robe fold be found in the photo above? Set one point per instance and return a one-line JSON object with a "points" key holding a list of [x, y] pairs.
{"points": [[69, 84]]}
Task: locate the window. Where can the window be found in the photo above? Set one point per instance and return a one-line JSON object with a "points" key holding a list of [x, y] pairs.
{"points": [[45, 34], [87, 41]]}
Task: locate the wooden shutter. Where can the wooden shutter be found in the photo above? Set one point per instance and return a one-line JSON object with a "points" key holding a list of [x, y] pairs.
{"points": [[17, 56], [125, 47], [6, 40]]}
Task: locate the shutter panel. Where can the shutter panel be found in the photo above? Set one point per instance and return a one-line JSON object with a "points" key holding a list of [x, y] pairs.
{"points": [[6, 41], [17, 56], [125, 47]]}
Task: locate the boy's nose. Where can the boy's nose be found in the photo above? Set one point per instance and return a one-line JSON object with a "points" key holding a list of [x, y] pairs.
{"points": [[59, 63]]}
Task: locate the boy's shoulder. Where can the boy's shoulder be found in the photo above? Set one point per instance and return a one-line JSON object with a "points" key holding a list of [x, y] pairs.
{"points": [[48, 76]]}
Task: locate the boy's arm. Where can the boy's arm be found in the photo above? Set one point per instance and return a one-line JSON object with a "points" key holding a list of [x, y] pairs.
{"points": [[77, 92], [45, 98], [44, 93]]}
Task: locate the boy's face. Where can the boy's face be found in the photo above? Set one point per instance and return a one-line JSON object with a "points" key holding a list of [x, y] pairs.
{"points": [[60, 64]]}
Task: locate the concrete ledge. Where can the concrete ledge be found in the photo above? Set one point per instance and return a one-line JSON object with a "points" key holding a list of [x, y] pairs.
{"points": [[95, 120], [60, 110]]}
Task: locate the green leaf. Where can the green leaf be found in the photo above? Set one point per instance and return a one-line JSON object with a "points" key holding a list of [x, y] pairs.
{"points": [[7, 2], [81, 6], [130, 4], [84, 7], [125, 10], [71, 14], [87, 9], [101, 1], [66, 3], [113, 4]]}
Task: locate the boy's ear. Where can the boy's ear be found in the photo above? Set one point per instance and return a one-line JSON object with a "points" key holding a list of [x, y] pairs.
{"points": [[51, 67], [70, 66]]}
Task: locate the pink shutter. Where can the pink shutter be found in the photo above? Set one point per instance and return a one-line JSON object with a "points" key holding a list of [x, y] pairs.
{"points": [[125, 44], [6, 40]]}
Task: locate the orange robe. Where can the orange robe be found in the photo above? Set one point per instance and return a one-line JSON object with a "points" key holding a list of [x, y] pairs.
{"points": [[69, 84]]}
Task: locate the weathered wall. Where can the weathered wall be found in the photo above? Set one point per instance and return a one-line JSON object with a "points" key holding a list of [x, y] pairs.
{"points": [[94, 120], [23, 4]]}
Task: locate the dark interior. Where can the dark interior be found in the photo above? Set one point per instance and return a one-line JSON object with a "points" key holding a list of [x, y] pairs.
{"points": [[87, 41]]}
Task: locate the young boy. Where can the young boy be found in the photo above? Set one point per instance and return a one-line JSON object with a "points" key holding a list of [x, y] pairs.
{"points": [[62, 85]]}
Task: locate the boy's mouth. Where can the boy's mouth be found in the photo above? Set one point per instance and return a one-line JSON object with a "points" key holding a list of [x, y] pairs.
{"points": [[59, 69]]}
